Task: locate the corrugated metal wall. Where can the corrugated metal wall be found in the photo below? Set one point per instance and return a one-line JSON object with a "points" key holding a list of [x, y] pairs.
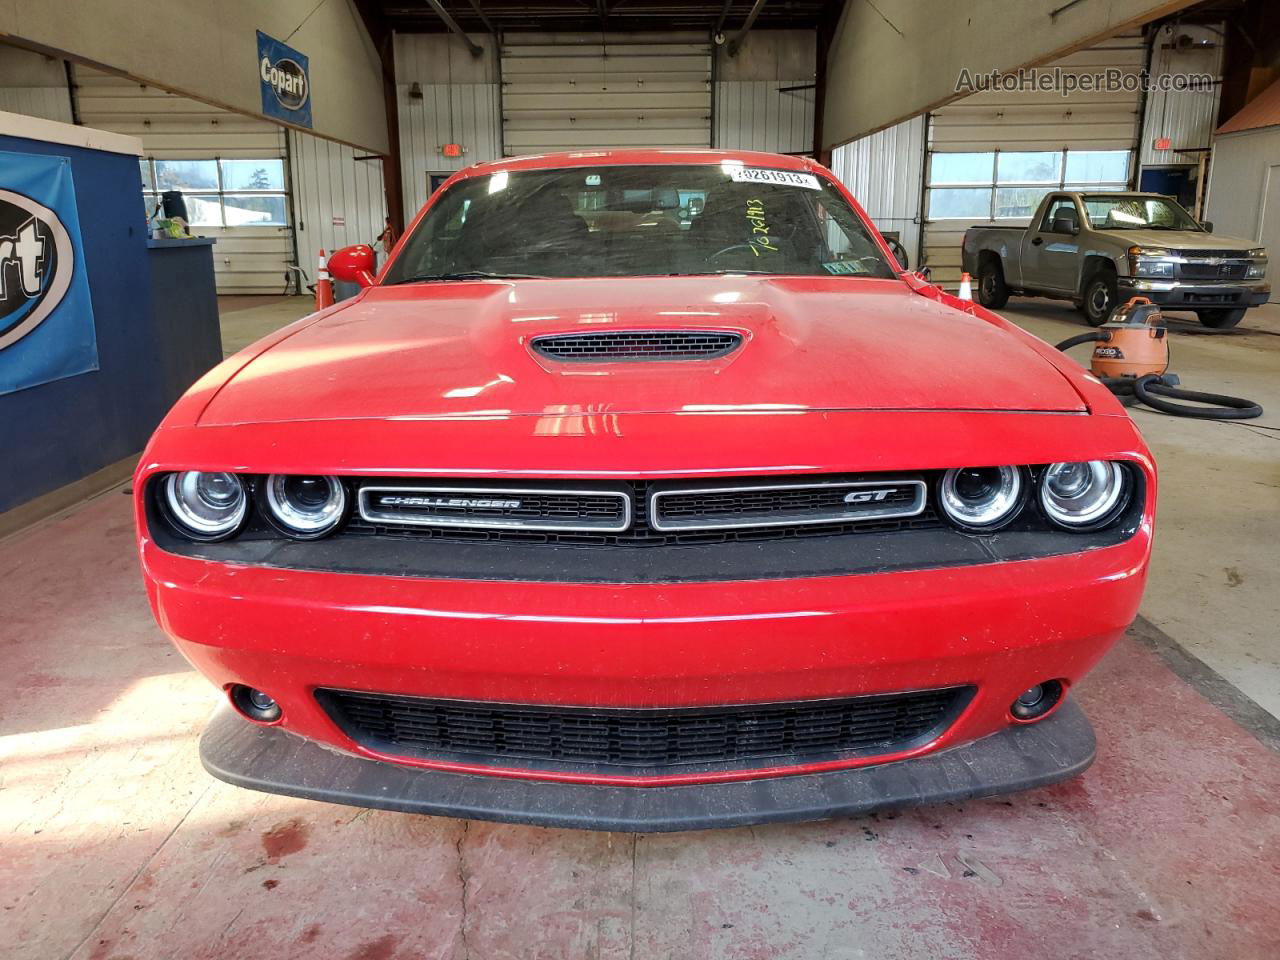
{"points": [[337, 199], [48, 103], [33, 85], [1031, 121], [883, 171], [455, 100], [757, 115], [1187, 117], [245, 259], [592, 91]]}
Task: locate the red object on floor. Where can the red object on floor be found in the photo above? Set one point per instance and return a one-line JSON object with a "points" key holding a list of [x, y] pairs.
{"points": [[324, 286]]}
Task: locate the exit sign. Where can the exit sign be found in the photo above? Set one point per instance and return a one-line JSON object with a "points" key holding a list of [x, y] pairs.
{"points": [[1163, 143]]}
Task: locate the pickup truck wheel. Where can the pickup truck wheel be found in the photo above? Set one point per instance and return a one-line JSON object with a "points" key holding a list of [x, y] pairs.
{"points": [[992, 291], [1221, 319], [1100, 298]]}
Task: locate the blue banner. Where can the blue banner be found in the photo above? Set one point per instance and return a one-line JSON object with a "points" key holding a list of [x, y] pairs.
{"points": [[285, 78], [46, 316]]}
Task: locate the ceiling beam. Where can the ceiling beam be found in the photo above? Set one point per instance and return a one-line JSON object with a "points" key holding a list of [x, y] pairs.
{"points": [[452, 24]]}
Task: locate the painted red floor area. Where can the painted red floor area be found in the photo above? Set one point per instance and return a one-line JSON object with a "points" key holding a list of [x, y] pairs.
{"points": [[117, 845]]}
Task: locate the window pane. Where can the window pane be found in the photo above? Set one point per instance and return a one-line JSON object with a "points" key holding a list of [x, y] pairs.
{"points": [[1030, 167], [203, 210], [186, 175], [969, 204], [1018, 201], [1095, 166], [144, 168], [961, 167], [254, 211], [1096, 188], [252, 174]]}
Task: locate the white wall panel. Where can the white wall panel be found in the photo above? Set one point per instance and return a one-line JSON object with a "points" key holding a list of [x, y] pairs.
{"points": [[1244, 191], [757, 115], [329, 185], [33, 85], [245, 259], [588, 91], [1187, 117], [456, 101], [883, 171]]}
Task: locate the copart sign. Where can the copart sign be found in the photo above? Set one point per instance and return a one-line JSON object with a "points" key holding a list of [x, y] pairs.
{"points": [[285, 78], [46, 316]]}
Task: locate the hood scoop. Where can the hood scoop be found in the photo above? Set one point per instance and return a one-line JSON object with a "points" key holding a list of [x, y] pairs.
{"points": [[628, 346]]}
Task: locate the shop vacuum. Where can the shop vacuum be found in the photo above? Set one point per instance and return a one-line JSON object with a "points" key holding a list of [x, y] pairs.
{"points": [[1132, 359]]}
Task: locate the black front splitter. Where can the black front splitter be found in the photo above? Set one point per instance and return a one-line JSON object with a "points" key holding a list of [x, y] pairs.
{"points": [[1017, 758]]}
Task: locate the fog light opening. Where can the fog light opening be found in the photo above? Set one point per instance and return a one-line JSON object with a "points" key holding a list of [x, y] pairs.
{"points": [[1035, 702], [254, 704]]}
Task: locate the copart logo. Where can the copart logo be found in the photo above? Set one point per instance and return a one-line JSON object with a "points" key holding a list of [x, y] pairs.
{"points": [[287, 80], [36, 262]]}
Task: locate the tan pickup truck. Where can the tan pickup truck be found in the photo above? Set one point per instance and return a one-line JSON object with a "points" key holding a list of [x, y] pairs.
{"points": [[1100, 249]]}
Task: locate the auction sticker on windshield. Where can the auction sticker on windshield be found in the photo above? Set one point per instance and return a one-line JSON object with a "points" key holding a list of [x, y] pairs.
{"points": [[784, 178]]}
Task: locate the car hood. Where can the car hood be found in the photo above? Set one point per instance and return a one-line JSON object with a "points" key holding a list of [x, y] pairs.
{"points": [[462, 350], [1181, 239]]}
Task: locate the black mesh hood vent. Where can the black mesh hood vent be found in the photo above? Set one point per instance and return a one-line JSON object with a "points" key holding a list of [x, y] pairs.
{"points": [[637, 345]]}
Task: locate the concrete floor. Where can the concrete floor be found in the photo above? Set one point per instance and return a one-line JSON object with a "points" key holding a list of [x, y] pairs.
{"points": [[117, 846]]}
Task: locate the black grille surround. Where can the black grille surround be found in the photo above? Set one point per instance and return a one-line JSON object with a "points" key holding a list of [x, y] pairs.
{"points": [[629, 346], [643, 742], [641, 554]]}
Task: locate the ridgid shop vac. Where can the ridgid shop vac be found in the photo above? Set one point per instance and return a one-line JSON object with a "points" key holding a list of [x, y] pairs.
{"points": [[1132, 359]]}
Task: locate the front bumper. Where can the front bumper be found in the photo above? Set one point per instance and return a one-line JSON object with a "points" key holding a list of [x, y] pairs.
{"points": [[998, 627], [1196, 294], [1016, 758]]}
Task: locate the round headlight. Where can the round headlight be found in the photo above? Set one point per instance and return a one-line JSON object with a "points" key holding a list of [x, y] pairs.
{"points": [[981, 498], [206, 506], [1082, 494], [305, 506]]}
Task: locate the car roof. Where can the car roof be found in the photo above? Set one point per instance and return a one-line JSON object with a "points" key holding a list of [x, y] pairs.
{"points": [[673, 156]]}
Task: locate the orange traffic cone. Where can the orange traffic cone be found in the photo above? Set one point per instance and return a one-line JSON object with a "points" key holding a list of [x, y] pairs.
{"points": [[966, 287], [324, 286]]}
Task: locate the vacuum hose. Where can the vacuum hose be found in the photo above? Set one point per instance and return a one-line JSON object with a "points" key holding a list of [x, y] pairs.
{"points": [[1153, 388]]}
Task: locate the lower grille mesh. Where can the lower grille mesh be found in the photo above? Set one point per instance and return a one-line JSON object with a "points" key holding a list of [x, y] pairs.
{"points": [[641, 740]]}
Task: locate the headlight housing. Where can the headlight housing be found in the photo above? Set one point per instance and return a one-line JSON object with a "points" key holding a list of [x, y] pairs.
{"points": [[1084, 494], [1149, 262], [1256, 271], [305, 507], [205, 506], [981, 499]]}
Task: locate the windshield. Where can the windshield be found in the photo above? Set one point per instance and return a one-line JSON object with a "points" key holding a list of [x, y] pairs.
{"points": [[631, 221], [1137, 213]]}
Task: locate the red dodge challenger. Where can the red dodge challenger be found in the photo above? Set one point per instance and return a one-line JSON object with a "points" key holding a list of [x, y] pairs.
{"points": [[641, 490]]}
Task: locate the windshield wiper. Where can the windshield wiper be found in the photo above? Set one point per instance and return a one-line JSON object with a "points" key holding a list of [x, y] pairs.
{"points": [[467, 275]]}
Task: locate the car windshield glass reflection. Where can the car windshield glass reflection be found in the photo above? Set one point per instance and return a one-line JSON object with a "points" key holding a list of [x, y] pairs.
{"points": [[1137, 213], [624, 221]]}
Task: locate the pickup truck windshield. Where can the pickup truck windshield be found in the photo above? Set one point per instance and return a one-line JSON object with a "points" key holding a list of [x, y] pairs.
{"points": [[628, 221], [1137, 213]]}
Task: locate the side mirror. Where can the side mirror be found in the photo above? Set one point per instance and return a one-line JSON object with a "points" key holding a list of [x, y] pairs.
{"points": [[1208, 225], [353, 264]]}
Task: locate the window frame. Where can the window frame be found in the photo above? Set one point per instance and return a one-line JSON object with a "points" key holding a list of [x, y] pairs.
{"points": [[151, 192], [995, 184]]}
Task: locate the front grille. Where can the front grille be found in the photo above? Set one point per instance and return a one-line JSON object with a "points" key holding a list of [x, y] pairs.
{"points": [[707, 508], [637, 741], [536, 508], [1216, 254], [1212, 271], [741, 515], [631, 345]]}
